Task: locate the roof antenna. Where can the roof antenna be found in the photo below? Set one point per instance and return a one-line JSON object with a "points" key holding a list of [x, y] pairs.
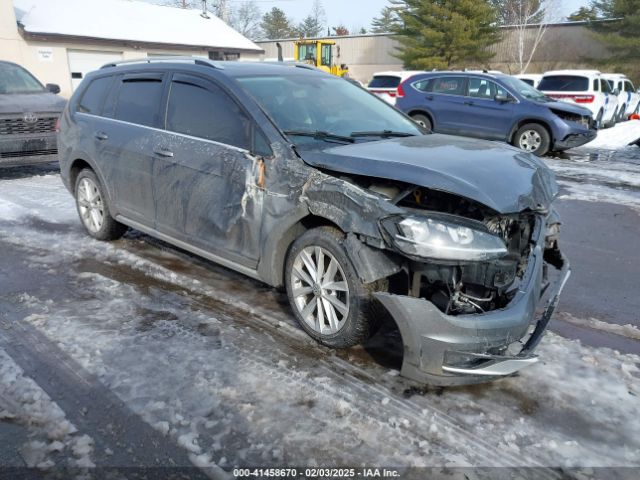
{"points": [[204, 13]]}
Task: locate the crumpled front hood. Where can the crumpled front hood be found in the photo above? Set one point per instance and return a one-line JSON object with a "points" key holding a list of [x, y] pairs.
{"points": [[496, 175], [31, 102], [568, 107]]}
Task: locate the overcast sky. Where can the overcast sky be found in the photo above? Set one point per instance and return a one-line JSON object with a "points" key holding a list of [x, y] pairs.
{"points": [[359, 13]]}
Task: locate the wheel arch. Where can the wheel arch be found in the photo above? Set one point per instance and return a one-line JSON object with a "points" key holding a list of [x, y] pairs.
{"points": [[79, 164]]}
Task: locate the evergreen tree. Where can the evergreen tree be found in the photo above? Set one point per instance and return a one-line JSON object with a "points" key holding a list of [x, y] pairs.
{"points": [[443, 34], [622, 33], [275, 24], [583, 14], [386, 22]]}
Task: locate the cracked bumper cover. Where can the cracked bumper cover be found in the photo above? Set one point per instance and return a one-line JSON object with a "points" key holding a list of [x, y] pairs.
{"points": [[444, 349]]}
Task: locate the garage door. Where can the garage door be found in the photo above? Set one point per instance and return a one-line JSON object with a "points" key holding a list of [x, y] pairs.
{"points": [[82, 62]]}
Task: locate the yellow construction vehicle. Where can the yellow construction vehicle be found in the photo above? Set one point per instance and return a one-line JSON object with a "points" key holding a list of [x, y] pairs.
{"points": [[319, 53]]}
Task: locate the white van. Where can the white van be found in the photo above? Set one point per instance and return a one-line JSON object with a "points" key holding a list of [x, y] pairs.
{"points": [[587, 88], [628, 97]]}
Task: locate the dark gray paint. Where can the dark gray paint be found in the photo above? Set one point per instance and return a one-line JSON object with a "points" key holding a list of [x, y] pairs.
{"points": [[502, 178]]}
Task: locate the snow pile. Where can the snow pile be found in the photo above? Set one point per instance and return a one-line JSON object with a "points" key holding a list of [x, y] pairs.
{"points": [[23, 402], [619, 136]]}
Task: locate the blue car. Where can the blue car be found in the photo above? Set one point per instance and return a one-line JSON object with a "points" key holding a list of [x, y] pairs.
{"points": [[494, 107]]}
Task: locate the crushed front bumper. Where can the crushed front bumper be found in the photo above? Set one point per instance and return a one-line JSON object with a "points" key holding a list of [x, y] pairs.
{"points": [[444, 349], [575, 140]]}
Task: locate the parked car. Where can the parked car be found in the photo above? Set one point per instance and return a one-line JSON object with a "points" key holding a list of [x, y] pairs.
{"points": [[532, 79], [385, 84], [628, 97], [303, 180], [494, 107], [28, 115], [587, 88]]}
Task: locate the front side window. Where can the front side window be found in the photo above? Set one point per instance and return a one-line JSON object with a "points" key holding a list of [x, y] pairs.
{"points": [[138, 101], [483, 88], [449, 85], [201, 109], [308, 53], [628, 87], [15, 79], [94, 95], [606, 86], [565, 83], [322, 103]]}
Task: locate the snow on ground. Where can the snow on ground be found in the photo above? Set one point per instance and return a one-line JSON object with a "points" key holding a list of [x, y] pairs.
{"points": [[619, 136], [51, 435], [212, 360]]}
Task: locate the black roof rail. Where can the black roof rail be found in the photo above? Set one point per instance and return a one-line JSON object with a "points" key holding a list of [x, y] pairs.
{"points": [[196, 61]]}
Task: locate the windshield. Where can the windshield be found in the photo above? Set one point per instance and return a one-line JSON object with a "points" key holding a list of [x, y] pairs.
{"points": [[15, 79], [524, 89], [319, 103]]}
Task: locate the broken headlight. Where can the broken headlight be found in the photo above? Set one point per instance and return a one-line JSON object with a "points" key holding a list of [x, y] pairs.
{"points": [[443, 237]]}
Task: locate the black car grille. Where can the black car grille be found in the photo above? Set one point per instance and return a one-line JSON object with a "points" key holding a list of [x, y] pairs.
{"points": [[29, 153], [17, 126]]}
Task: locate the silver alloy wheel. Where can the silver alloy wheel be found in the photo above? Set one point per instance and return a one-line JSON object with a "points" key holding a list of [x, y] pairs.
{"points": [[530, 140], [320, 290], [422, 123], [90, 205]]}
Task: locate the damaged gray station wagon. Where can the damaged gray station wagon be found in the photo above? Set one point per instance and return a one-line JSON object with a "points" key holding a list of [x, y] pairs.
{"points": [[304, 180]]}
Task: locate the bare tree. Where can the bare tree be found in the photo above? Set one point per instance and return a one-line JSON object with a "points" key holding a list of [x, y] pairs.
{"points": [[529, 22], [246, 19]]}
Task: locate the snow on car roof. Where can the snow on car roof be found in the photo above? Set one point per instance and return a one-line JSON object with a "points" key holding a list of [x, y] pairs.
{"points": [[128, 20]]}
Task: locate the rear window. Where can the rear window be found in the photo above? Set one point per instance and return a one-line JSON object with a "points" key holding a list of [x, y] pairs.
{"points": [[138, 101], [384, 81], [93, 98], [564, 83]]}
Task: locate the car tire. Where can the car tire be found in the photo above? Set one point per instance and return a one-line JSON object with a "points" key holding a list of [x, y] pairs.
{"points": [[93, 209], [348, 314], [533, 138], [422, 120], [621, 114], [599, 119]]}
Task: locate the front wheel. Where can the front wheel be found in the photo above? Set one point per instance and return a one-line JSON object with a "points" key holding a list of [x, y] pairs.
{"points": [[328, 299], [533, 138], [93, 209]]}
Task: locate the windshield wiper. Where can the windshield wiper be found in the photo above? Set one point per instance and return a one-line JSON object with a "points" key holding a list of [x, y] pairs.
{"points": [[383, 134], [320, 135]]}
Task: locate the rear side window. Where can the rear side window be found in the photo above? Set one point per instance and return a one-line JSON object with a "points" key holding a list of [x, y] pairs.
{"points": [[139, 100], [424, 85], [564, 83], [384, 81], [93, 97], [200, 109], [449, 85]]}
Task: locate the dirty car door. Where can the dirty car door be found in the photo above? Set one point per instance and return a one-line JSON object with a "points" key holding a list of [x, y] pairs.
{"points": [[204, 175], [124, 142]]}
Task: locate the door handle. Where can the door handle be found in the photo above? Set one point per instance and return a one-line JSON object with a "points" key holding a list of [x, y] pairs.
{"points": [[102, 136], [163, 152], [429, 97], [469, 102]]}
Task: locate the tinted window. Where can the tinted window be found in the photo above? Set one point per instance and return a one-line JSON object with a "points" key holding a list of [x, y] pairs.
{"points": [[424, 85], [449, 85], [384, 81], [138, 101], [93, 97], [483, 88], [528, 81], [606, 86], [628, 86], [205, 111], [564, 83]]}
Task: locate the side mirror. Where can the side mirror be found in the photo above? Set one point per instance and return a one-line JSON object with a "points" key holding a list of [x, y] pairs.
{"points": [[53, 88], [616, 92], [503, 98]]}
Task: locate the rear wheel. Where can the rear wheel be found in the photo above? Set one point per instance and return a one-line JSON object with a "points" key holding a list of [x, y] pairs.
{"points": [[533, 138], [621, 113], [599, 119], [328, 299], [93, 209], [422, 120]]}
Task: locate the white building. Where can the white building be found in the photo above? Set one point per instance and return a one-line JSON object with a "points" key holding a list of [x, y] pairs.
{"points": [[60, 41]]}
